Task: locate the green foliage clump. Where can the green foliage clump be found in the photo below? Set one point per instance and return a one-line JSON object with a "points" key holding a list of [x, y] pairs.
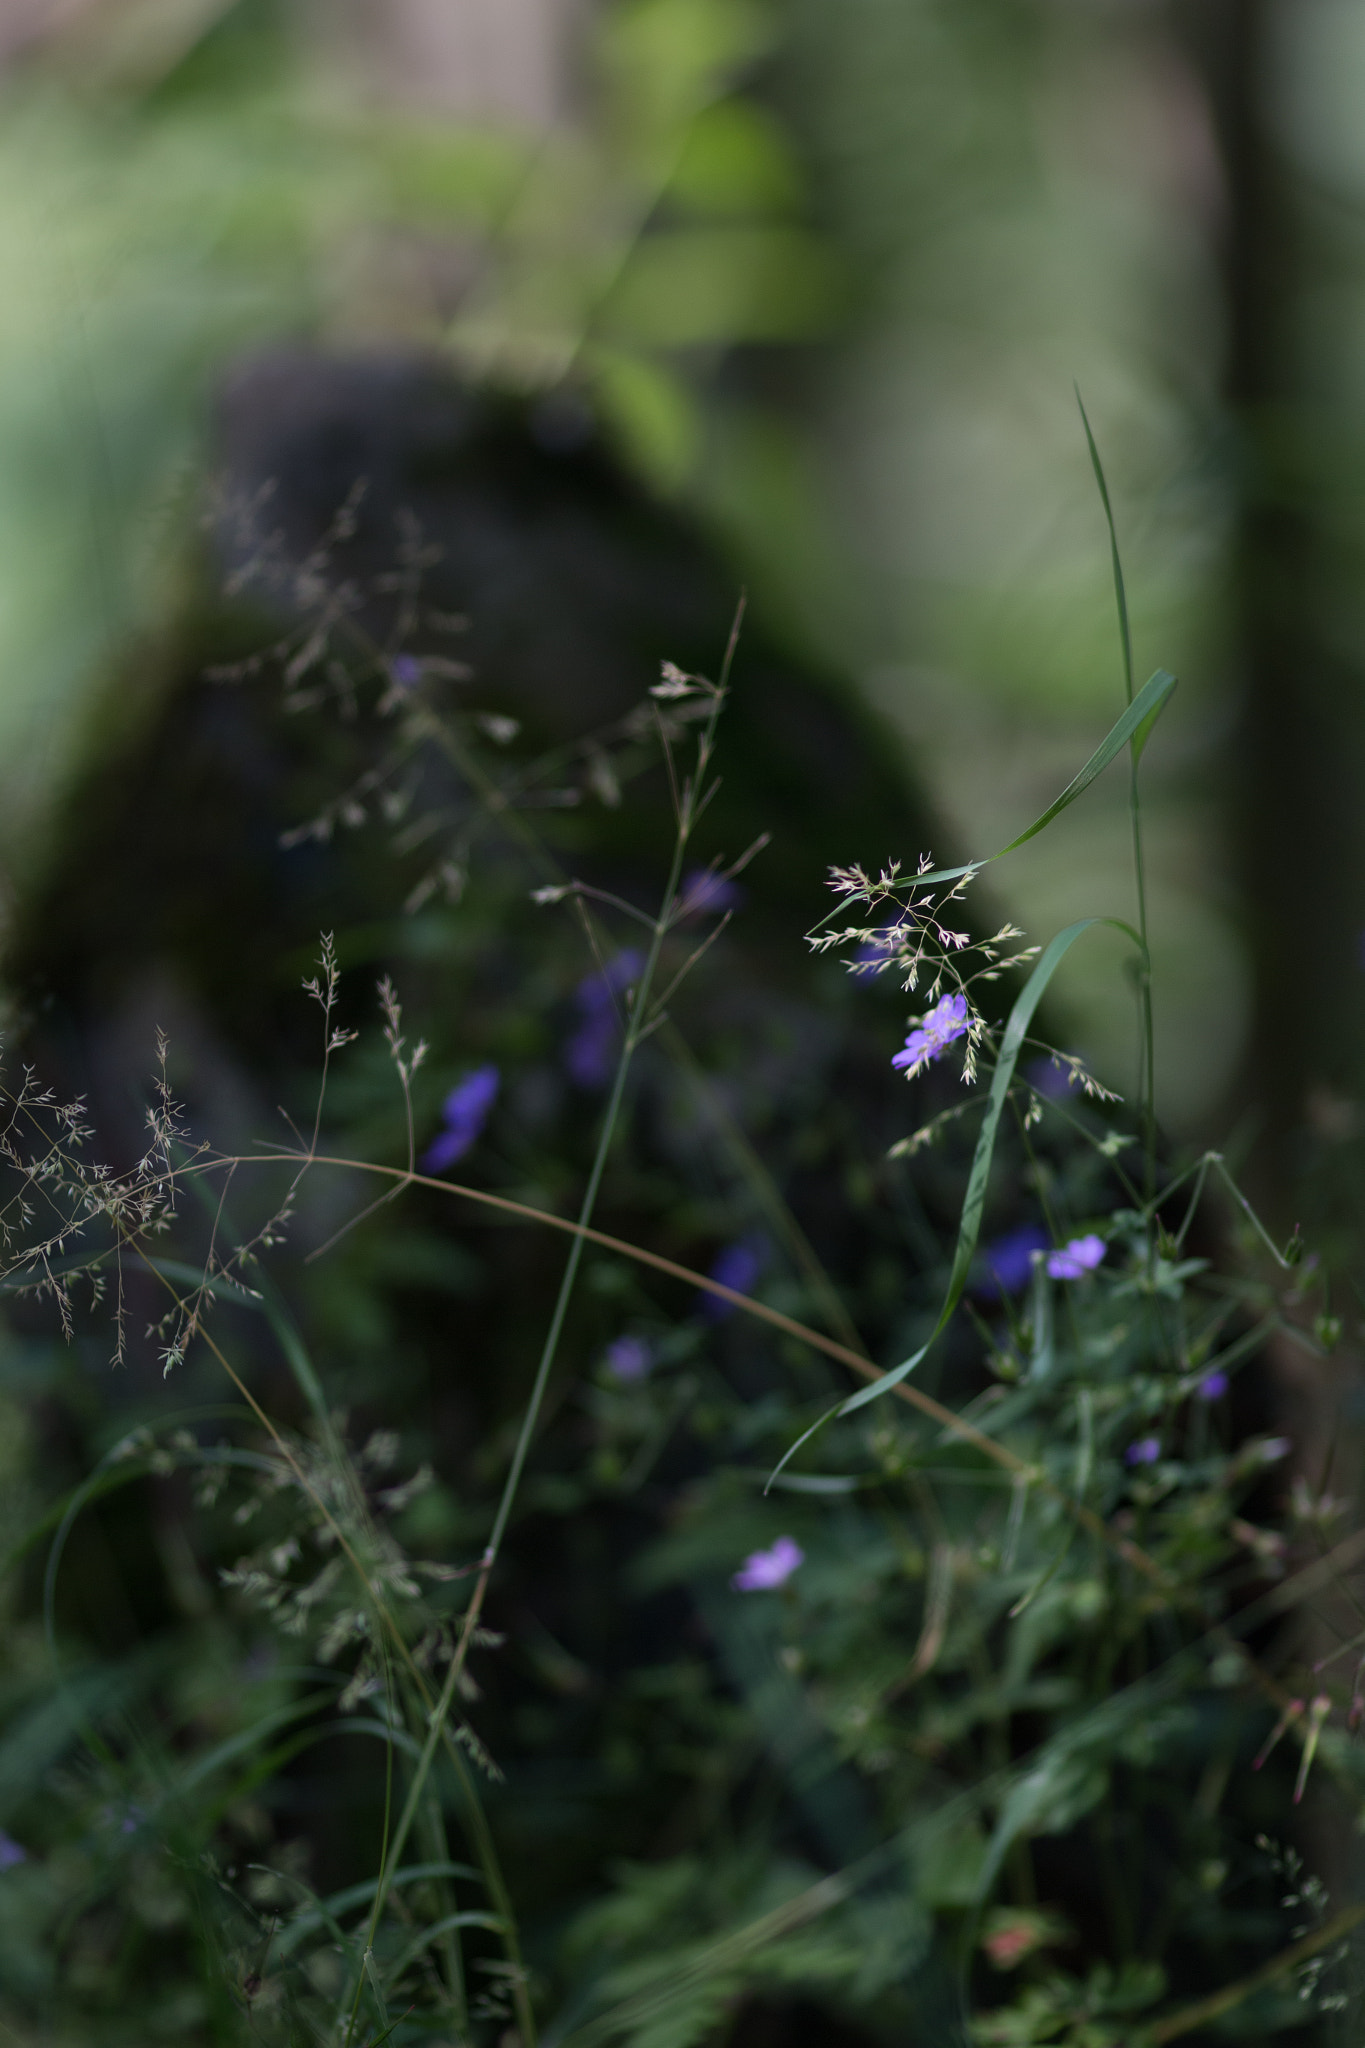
{"points": [[663, 1691]]}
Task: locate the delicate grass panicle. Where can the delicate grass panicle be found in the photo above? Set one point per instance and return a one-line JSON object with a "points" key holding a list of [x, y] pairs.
{"points": [[955, 1740]]}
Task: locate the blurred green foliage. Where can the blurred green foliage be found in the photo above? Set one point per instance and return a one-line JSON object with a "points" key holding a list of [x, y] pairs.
{"points": [[172, 201]]}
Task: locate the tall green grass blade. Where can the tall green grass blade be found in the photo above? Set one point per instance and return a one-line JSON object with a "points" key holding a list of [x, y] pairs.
{"points": [[1139, 740], [1135, 725], [1120, 588]]}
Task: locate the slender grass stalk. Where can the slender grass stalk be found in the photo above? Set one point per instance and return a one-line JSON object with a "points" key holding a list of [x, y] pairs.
{"points": [[689, 802], [1147, 1053], [389, 1852], [479, 1832]]}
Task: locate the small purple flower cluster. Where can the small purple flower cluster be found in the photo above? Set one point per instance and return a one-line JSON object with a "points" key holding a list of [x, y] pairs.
{"points": [[934, 1034], [1009, 1261], [764, 1569], [704, 893], [1147, 1449], [590, 1053], [740, 1266], [1049, 1079], [629, 1358], [1076, 1259], [874, 953], [463, 1116]]}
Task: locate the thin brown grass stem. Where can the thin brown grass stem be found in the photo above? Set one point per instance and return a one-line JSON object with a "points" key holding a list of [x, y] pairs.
{"points": [[856, 1361]]}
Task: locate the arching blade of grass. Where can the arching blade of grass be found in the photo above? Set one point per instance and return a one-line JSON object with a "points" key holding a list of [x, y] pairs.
{"points": [[1134, 726], [1139, 741], [325, 1912], [1120, 589]]}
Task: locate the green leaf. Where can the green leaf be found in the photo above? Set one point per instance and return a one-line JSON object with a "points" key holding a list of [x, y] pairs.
{"points": [[1135, 725], [1120, 591]]}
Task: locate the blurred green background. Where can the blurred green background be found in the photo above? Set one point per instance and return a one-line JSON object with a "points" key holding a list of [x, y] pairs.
{"points": [[830, 274]]}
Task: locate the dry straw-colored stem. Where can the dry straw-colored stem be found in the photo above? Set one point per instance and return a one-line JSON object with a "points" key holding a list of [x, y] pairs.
{"points": [[856, 1361]]}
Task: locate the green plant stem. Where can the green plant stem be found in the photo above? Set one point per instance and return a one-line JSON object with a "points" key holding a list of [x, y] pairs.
{"points": [[686, 821], [692, 798], [766, 1191], [477, 1825], [389, 1850], [1144, 981]]}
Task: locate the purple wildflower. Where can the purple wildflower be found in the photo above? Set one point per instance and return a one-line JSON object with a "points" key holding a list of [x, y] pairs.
{"points": [[739, 1266], [1145, 1451], [946, 1021], [464, 1115], [629, 1358], [1213, 1386], [11, 1852], [704, 893], [1076, 1259], [764, 1569], [127, 1819], [590, 1053], [406, 671], [1009, 1261], [1049, 1079], [883, 945]]}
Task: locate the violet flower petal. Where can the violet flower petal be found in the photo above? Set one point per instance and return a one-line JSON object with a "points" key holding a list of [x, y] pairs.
{"points": [[762, 1570]]}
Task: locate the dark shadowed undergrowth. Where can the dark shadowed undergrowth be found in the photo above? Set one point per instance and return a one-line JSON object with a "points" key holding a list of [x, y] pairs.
{"points": [[647, 1530]]}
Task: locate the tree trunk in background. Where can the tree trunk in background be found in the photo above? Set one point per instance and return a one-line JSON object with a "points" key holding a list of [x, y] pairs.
{"points": [[1300, 753], [1300, 759]]}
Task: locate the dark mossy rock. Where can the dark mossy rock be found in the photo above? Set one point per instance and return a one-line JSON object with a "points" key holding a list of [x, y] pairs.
{"points": [[575, 585], [183, 893]]}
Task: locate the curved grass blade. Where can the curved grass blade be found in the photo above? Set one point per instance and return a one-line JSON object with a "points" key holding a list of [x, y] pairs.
{"points": [[120, 1473], [434, 1933], [1120, 588], [326, 1912], [1133, 727]]}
